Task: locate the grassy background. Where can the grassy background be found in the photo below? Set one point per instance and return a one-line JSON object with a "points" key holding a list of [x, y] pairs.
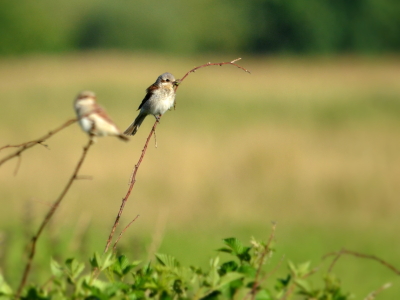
{"points": [[312, 144]]}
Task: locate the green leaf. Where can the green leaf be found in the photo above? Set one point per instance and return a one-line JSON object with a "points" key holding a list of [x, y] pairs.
{"points": [[74, 267], [235, 245], [283, 282], [227, 250], [228, 267], [292, 267], [35, 294], [178, 286], [5, 289], [249, 271], [245, 255], [122, 261], [95, 261], [131, 266], [213, 276], [303, 268], [214, 262], [263, 295], [167, 260], [228, 278], [303, 285], [108, 261], [56, 269]]}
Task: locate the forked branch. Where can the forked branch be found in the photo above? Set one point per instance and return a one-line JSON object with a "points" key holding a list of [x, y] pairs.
{"points": [[30, 144], [131, 184], [122, 232]]}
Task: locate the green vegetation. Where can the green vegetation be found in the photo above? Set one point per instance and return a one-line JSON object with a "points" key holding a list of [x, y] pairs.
{"points": [[179, 27], [310, 144], [240, 277]]}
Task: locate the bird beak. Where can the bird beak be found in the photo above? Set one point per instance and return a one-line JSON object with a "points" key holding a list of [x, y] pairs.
{"points": [[176, 82]]}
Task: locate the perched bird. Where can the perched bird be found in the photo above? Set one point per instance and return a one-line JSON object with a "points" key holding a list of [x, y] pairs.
{"points": [[93, 118], [159, 98]]}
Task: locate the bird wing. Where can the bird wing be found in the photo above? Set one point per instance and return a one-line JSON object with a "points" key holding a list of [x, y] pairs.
{"points": [[149, 92], [102, 113]]}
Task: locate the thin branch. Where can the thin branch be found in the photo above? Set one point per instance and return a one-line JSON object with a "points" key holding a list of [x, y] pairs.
{"points": [[361, 255], [373, 294], [267, 249], [18, 165], [133, 175], [211, 64], [30, 144], [122, 232], [48, 216], [131, 184], [20, 145]]}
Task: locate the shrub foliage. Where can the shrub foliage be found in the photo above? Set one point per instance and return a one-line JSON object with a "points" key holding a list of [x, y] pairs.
{"points": [[243, 275]]}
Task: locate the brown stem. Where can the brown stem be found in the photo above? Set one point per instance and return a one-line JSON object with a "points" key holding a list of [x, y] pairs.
{"points": [[133, 175], [122, 232], [48, 216], [30, 144], [211, 64], [361, 255], [373, 294], [267, 249], [131, 184]]}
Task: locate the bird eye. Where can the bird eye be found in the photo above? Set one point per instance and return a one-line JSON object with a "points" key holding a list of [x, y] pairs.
{"points": [[167, 80]]}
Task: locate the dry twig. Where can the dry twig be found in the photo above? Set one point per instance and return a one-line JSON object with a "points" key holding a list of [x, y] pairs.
{"points": [[361, 255], [233, 62], [373, 294], [30, 144], [48, 216], [122, 232], [267, 249], [131, 184], [133, 175]]}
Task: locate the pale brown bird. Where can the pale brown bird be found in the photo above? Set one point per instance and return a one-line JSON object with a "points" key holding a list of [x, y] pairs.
{"points": [[93, 118]]}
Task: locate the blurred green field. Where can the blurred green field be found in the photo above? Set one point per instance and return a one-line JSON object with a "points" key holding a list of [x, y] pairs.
{"points": [[312, 144]]}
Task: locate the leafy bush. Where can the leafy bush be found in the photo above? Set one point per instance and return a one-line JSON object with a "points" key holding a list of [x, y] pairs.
{"points": [[242, 276]]}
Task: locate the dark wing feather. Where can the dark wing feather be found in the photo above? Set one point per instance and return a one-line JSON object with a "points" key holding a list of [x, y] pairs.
{"points": [[149, 92]]}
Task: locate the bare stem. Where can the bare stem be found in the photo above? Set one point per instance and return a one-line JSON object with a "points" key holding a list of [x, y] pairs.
{"points": [[211, 64], [122, 232], [267, 249], [133, 175], [30, 144], [131, 184], [361, 255], [48, 216], [373, 294]]}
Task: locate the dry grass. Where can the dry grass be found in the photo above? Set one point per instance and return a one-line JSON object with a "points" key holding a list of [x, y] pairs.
{"points": [[310, 144]]}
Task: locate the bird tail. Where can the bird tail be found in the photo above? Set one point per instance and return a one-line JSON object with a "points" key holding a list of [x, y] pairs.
{"points": [[133, 128], [123, 137]]}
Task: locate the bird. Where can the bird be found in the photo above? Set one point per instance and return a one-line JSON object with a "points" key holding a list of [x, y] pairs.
{"points": [[93, 119], [160, 97]]}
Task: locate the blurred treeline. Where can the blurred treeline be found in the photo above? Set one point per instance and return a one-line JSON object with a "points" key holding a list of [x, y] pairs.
{"points": [[192, 27]]}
